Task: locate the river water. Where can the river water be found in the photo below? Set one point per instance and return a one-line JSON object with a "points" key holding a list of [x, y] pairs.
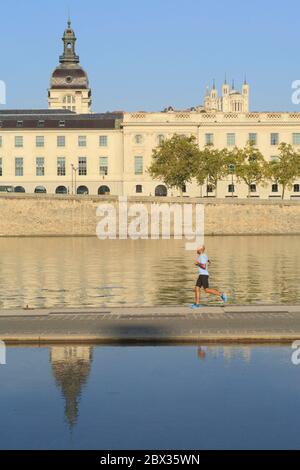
{"points": [[93, 397], [73, 272]]}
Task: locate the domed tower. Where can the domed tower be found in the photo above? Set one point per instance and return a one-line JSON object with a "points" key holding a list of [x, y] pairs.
{"points": [[69, 87]]}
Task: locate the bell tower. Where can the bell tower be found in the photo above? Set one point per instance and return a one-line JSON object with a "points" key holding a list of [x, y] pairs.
{"points": [[69, 86]]}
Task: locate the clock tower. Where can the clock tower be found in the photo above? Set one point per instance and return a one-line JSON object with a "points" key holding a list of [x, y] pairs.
{"points": [[69, 86]]}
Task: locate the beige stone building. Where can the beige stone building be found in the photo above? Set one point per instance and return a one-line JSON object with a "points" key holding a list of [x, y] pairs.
{"points": [[70, 149]]}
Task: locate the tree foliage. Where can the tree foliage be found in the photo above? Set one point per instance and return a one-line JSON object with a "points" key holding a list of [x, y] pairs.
{"points": [[286, 169], [173, 161], [211, 166], [250, 165]]}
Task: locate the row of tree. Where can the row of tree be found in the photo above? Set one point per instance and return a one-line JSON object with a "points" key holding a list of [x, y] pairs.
{"points": [[177, 161]]}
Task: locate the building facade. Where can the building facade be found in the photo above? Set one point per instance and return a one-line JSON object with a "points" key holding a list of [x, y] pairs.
{"points": [[68, 149]]}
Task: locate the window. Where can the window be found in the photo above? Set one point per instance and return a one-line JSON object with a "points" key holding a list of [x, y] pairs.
{"points": [[138, 139], [40, 141], [40, 166], [103, 166], [296, 139], [296, 188], [103, 141], [274, 139], [209, 139], [82, 141], [252, 188], [160, 139], [19, 170], [19, 123], [62, 123], [231, 188], [18, 141], [61, 141], [183, 188], [82, 166], [274, 158], [139, 189], [61, 166], [69, 99], [275, 188], [1, 167], [230, 140], [41, 123], [253, 139], [209, 188], [138, 165]]}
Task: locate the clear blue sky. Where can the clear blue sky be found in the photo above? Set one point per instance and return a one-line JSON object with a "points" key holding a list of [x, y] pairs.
{"points": [[147, 54]]}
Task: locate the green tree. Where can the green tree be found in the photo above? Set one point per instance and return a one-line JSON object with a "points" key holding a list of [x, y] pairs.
{"points": [[250, 165], [211, 166], [173, 161], [286, 169]]}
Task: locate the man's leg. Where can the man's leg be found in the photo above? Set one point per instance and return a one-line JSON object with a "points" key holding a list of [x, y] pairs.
{"points": [[197, 295], [213, 292]]}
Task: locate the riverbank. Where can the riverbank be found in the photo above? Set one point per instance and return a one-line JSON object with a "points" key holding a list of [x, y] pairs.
{"points": [[63, 216], [239, 323]]}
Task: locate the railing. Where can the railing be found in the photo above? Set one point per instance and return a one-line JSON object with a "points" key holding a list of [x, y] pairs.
{"points": [[216, 117]]}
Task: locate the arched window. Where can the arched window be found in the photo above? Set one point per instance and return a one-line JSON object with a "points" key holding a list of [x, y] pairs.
{"points": [[19, 189], [83, 190], [161, 191], [103, 191], [61, 190], [40, 190]]}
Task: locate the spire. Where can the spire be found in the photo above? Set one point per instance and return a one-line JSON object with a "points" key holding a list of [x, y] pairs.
{"points": [[233, 85], [225, 81], [245, 80], [69, 39], [214, 84]]}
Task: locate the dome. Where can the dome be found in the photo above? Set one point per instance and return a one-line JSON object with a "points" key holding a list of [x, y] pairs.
{"points": [[69, 77]]}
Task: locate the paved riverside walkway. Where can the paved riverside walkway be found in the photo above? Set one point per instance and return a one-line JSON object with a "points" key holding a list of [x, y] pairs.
{"points": [[251, 323]]}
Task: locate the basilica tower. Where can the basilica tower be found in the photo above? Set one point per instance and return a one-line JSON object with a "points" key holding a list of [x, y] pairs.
{"points": [[69, 86]]}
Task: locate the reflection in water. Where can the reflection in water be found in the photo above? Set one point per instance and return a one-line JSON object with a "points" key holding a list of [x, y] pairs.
{"points": [[227, 353], [87, 272], [150, 397], [71, 367]]}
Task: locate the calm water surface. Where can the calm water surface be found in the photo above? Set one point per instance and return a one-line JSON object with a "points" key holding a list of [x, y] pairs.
{"points": [[72, 272], [87, 397]]}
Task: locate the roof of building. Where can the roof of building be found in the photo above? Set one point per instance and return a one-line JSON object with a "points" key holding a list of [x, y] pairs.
{"points": [[53, 119]]}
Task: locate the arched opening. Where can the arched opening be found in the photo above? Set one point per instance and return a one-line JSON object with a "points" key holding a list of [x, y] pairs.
{"points": [[103, 191], [61, 190], [83, 190], [19, 189], [161, 191], [40, 190]]}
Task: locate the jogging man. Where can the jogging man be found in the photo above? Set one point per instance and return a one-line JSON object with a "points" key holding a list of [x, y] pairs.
{"points": [[203, 279]]}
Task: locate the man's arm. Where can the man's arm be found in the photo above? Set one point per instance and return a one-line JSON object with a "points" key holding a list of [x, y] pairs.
{"points": [[202, 266]]}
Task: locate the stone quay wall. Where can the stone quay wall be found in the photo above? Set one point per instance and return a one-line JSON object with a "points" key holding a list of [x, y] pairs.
{"points": [[48, 215]]}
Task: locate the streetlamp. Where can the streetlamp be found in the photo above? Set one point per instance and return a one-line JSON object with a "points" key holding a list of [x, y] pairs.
{"points": [[74, 176], [231, 168]]}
